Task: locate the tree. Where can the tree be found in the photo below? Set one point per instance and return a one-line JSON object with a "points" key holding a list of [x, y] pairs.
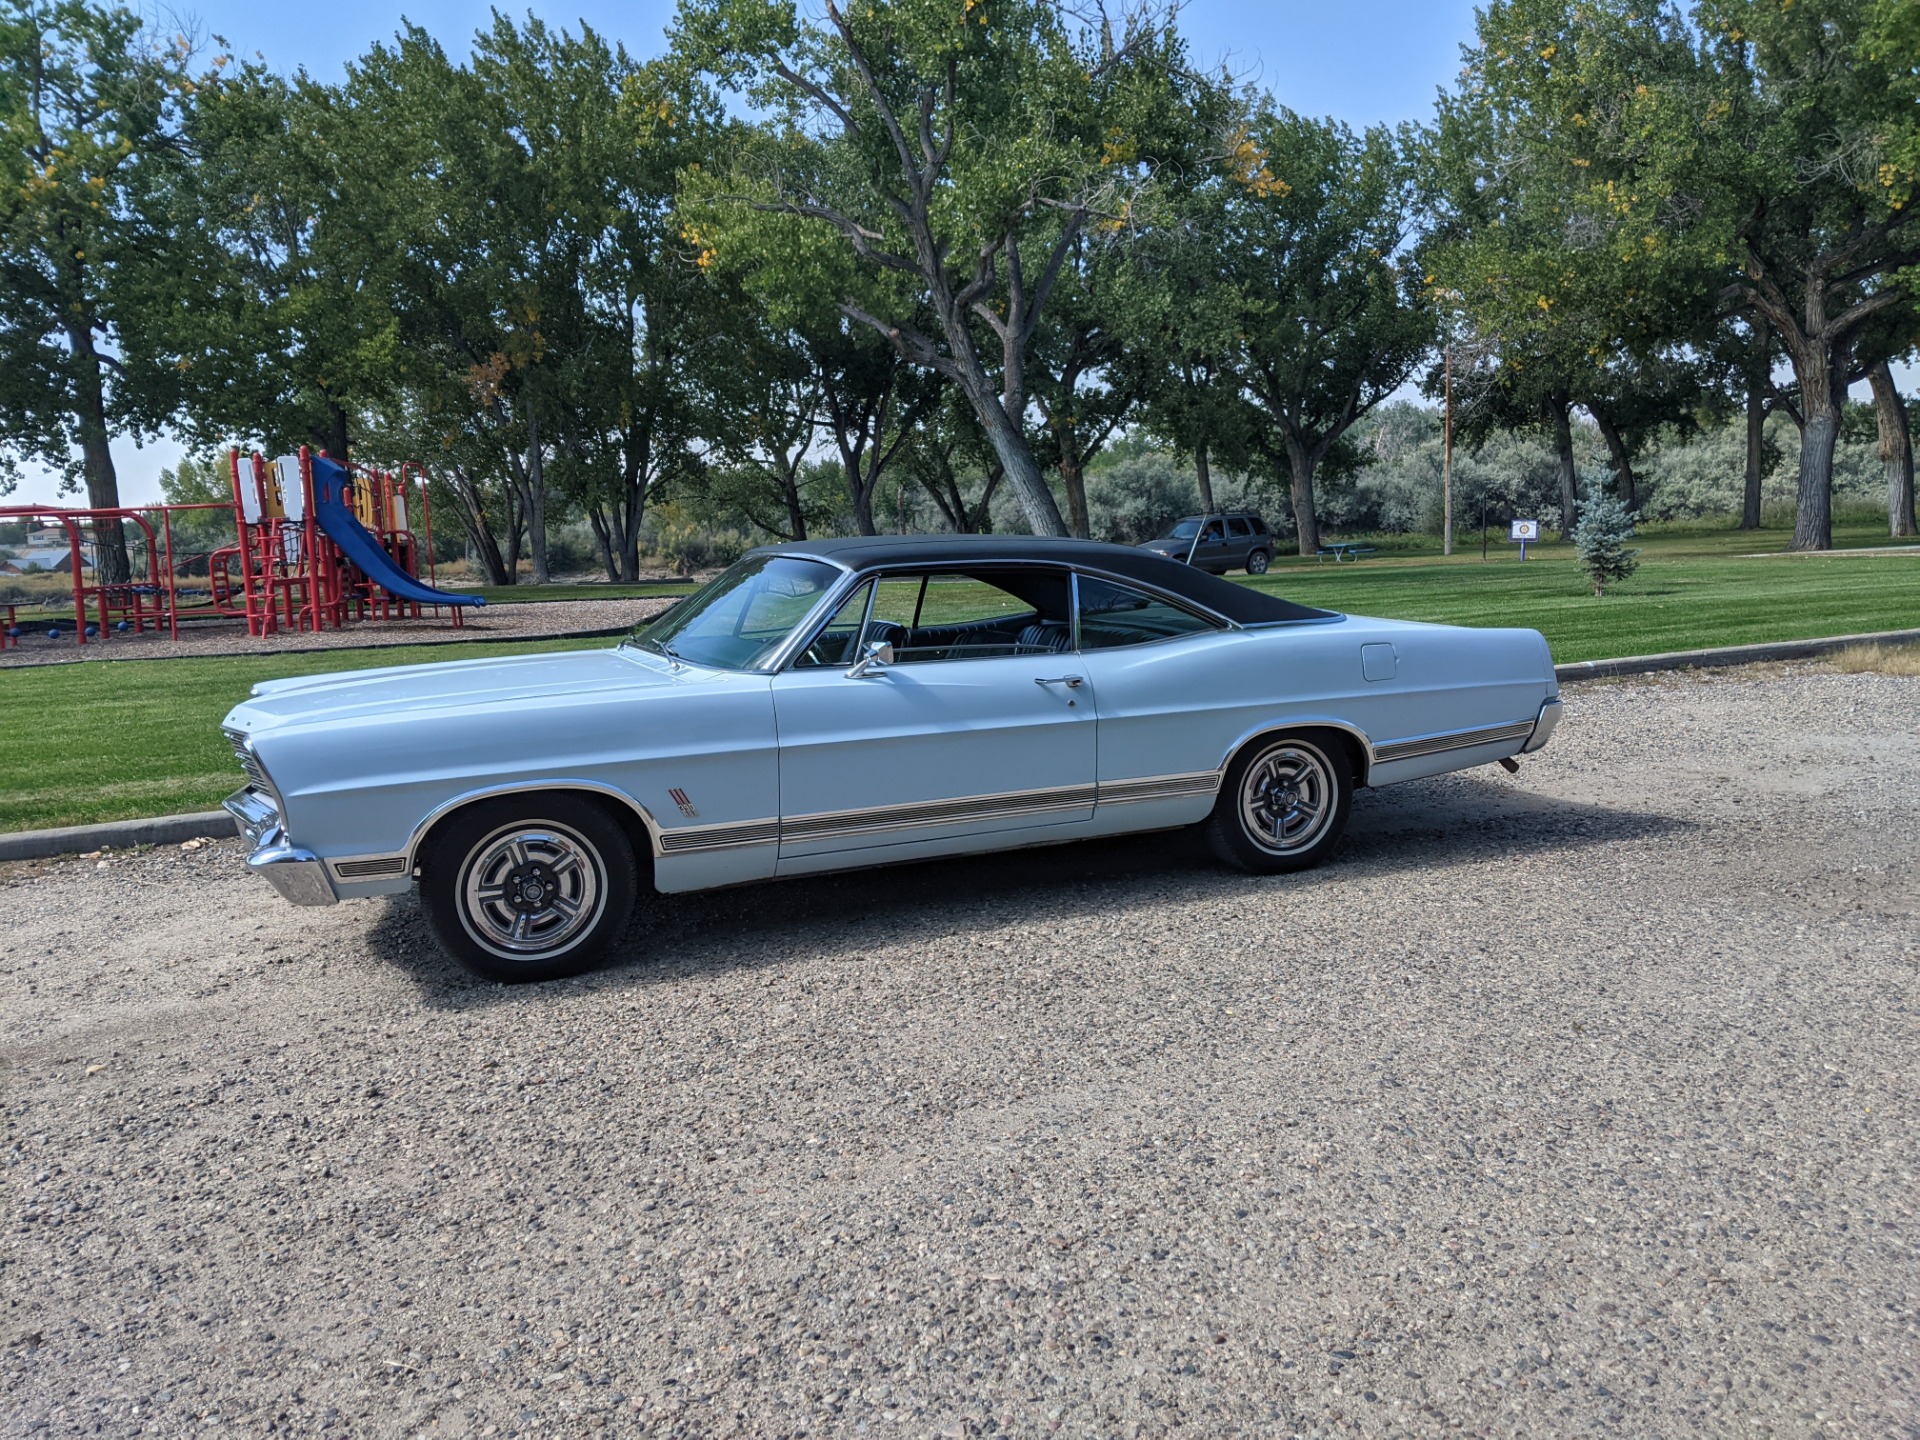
{"points": [[1549, 247], [286, 233], [90, 104], [1896, 449], [983, 139], [1600, 540], [1316, 246], [1791, 167]]}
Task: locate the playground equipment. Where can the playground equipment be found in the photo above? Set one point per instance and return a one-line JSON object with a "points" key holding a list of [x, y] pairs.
{"points": [[319, 544]]}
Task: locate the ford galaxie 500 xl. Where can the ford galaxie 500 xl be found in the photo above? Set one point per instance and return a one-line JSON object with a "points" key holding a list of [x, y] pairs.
{"points": [[844, 703]]}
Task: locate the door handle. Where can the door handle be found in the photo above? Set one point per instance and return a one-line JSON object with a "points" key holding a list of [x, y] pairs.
{"points": [[1072, 682]]}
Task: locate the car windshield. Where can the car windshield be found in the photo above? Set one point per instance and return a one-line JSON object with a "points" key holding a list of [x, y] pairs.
{"points": [[1185, 530], [738, 620]]}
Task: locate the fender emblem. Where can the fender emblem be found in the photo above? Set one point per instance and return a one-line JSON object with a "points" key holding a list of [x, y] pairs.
{"points": [[679, 797]]}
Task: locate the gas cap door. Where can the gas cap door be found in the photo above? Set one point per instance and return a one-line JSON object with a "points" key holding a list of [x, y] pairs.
{"points": [[1378, 662]]}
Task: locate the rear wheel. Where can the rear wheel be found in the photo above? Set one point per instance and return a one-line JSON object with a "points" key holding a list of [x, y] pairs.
{"points": [[1283, 806], [1257, 562], [531, 887]]}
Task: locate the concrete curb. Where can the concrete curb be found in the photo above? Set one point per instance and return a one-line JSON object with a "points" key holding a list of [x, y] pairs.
{"points": [[1728, 655], [118, 835], [218, 825]]}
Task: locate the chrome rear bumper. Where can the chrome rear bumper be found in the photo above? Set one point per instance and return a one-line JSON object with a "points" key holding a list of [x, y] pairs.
{"points": [[299, 875], [1544, 726]]}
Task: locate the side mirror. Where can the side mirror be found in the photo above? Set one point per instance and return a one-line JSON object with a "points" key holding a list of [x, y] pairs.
{"points": [[878, 653]]}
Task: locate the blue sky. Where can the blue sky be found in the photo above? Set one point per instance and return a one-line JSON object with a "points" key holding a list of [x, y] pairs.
{"points": [[1361, 60]]}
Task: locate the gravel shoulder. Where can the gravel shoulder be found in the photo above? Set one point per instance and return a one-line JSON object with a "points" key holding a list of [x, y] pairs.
{"points": [[1578, 1102]]}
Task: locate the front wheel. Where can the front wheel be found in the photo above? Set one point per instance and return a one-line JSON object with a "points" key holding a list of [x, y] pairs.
{"points": [[529, 887], [1284, 805], [1257, 562]]}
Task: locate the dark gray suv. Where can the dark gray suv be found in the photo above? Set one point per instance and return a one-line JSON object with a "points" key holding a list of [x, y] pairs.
{"points": [[1227, 540]]}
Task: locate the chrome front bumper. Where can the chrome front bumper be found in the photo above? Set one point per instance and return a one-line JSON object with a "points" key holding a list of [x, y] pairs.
{"points": [[299, 875], [1544, 726]]}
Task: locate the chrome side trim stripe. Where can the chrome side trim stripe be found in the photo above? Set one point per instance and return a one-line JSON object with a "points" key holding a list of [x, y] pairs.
{"points": [[1424, 745], [937, 812], [718, 837], [840, 824], [1160, 787]]}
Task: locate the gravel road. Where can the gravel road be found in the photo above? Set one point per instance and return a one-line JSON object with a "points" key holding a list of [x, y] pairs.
{"points": [[1582, 1102]]}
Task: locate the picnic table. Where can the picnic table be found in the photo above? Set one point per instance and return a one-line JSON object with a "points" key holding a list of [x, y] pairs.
{"points": [[1344, 550]]}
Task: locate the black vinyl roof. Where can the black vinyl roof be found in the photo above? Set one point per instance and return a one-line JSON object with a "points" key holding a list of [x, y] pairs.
{"points": [[1239, 603]]}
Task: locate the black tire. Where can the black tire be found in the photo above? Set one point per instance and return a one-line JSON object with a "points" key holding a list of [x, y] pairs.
{"points": [[1258, 561], [1272, 784], [496, 879]]}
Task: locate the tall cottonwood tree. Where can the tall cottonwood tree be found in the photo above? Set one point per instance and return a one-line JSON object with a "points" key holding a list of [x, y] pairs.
{"points": [[988, 136], [1795, 171], [1329, 312], [90, 112]]}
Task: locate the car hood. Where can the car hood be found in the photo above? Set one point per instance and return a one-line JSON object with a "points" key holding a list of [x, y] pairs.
{"points": [[462, 684]]}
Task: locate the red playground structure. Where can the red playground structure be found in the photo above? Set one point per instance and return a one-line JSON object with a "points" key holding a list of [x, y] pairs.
{"points": [[319, 544], [322, 543]]}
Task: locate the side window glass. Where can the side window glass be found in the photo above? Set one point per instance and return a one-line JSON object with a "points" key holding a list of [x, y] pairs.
{"points": [[1213, 536], [953, 616], [1239, 529], [838, 641], [1113, 615]]}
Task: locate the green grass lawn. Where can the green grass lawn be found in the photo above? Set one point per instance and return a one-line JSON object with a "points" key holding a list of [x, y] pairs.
{"points": [[1695, 588], [113, 740]]}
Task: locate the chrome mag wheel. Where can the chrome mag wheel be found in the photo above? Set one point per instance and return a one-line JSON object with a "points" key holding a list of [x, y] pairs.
{"points": [[1288, 798], [530, 890]]}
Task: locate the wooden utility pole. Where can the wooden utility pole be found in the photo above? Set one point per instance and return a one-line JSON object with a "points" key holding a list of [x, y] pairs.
{"points": [[1446, 468]]}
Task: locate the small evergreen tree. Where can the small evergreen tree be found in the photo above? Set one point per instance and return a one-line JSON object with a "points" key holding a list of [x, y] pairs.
{"points": [[1600, 539]]}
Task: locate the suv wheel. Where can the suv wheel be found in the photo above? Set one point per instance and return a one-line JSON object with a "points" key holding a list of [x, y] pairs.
{"points": [[1257, 562]]}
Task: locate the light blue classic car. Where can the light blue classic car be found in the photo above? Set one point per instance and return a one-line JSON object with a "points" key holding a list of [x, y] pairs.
{"points": [[844, 703]]}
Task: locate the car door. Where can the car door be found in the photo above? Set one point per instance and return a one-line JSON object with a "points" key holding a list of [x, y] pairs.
{"points": [[981, 726], [1239, 544], [1210, 552]]}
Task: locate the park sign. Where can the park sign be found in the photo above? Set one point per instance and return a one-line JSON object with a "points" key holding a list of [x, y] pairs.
{"points": [[1522, 533]]}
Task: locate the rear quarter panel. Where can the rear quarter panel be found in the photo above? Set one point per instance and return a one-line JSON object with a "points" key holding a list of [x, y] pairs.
{"points": [[1187, 705]]}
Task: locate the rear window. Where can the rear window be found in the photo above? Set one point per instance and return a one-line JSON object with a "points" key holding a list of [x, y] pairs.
{"points": [[1239, 529], [1259, 525]]}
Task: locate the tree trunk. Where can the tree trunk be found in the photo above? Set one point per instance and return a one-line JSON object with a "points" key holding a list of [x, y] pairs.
{"points": [[1756, 454], [110, 564], [1896, 449], [1622, 460], [1558, 407], [1074, 481], [1820, 401], [1300, 464], [1204, 477], [473, 519], [529, 478], [796, 512], [602, 541]]}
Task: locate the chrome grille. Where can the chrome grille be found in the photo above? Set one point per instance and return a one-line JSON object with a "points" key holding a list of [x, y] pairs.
{"points": [[256, 775]]}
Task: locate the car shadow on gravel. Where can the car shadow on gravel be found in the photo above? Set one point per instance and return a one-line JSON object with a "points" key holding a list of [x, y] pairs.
{"points": [[1450, 820]]}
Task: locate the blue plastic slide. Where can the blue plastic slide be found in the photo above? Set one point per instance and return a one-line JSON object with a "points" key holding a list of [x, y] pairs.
{"points": [[358, 544]]}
